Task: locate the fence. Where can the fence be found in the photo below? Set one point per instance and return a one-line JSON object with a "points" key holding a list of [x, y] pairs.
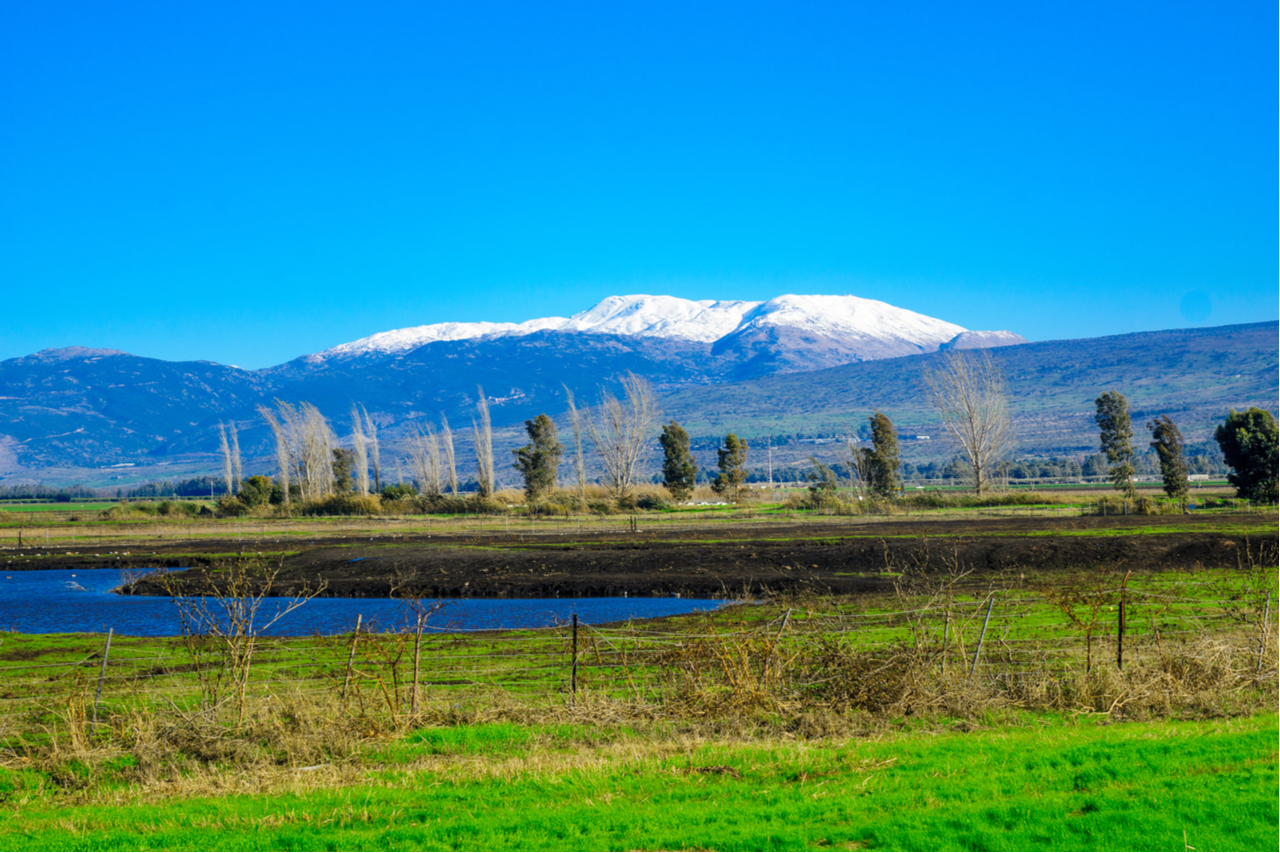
{"points": [[850, 655]]}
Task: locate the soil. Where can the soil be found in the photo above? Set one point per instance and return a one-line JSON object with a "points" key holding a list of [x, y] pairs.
{"points": [[715, 560]]}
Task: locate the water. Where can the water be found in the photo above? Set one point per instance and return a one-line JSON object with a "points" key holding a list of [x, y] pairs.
{"points": [[47, 602]]}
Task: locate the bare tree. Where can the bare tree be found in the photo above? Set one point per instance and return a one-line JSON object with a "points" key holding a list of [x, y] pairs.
{"points": [[446, 439], [235, 459], [226, 455], [421, 608], [221, 615], [969, 393], [371, 435], [282, 449], [362, 453], [483, 431], [435, 466], [304, 445], [425, 459], [619, 431], [859, 464], [317, 442], [579, 458]]}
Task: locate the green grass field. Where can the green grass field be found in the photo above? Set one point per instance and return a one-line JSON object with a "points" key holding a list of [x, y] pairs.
{"points": [[1040, 784], [87, 506]]}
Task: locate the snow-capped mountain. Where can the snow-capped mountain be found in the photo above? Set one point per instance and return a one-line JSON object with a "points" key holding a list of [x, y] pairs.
{"points": [[108, 407], [983, 340], [865, 328]]}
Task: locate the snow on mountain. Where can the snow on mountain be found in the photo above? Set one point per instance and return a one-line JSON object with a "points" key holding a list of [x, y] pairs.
{"points": [[851, 317], [403, 340], [707, 321], [661, 317], [982, 340]]}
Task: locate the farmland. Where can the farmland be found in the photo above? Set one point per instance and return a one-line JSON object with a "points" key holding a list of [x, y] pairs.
{"points": [[858, 698]]}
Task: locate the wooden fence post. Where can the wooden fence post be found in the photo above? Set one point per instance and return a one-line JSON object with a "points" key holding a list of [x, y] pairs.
{"points": [[1262, 641], [786, 620], [351, 657], [978, 651], [1120, 622], [102, 673], [573, 670], [946, 631]]}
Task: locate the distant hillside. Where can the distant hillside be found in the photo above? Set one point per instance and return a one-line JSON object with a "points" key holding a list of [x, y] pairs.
{"points": [[1193, 375], [66, 415]]}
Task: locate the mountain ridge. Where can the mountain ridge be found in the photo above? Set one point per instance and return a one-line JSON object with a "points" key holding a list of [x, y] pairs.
{"points": [[65, 414], [706, 321]]}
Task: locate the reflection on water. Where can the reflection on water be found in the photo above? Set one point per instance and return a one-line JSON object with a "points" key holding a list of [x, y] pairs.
{"points": [[48, 602]]}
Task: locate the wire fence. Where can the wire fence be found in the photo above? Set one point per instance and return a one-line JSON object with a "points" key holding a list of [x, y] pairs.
{"points": [[986, 640]]}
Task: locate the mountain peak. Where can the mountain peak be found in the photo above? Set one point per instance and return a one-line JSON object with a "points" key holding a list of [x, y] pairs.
{"points": [[844, 318]]}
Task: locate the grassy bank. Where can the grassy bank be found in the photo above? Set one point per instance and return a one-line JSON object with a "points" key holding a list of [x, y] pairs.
{"points": [[1030, 782]]}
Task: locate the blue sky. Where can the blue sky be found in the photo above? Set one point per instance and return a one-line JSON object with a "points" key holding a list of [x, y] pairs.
{"points": [[249, 182]]}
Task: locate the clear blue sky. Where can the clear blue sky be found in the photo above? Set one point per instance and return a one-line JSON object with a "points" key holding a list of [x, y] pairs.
{"points": [[249, 182]]}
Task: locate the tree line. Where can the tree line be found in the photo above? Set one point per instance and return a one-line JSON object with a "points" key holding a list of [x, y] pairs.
{"points": [[965, 388], [1248, 441]]}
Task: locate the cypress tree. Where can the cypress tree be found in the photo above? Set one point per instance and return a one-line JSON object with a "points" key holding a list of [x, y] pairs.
{"points": [[731, 459], [679, 470], [539, 460], [1166, 438], [1116, 436], [882, 457]]}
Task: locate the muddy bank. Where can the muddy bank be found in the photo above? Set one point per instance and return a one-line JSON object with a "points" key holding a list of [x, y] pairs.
{"points": [[716, 559], [729, 567]]}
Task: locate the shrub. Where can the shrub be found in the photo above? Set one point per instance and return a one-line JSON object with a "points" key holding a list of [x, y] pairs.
{"points": [[557, 503], [123, 512], [602, 506], [170, 509], [945, 500], [653, 503], [347, 504], [229, 506], [1143, 505], [398, 491]]}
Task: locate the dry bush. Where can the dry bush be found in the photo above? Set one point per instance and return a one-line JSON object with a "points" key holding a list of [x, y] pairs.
{"points": [[837, 676], [167, 743], [729, 676]]}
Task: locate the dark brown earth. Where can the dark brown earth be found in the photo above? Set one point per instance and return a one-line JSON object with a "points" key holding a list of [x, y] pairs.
{"points": [[716, 559]]}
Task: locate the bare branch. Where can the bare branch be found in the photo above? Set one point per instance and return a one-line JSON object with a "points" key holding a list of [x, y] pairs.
{"points": [[619, 431], [226, 456], [969, 393]]}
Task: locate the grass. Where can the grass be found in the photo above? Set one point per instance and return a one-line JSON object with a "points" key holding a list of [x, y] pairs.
{"points": [[1046, 628], [87, 506], [713, 750], [710, 751], [1040, 783]]}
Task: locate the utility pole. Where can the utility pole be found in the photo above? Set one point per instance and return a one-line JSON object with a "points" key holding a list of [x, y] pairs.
{"points": [[773, 495]]}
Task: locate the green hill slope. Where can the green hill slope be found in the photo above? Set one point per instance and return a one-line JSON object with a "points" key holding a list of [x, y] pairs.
{"points": [[1192, 375]]}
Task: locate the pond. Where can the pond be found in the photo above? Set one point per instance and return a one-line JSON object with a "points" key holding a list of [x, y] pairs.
{"points": [[49, 602]]}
